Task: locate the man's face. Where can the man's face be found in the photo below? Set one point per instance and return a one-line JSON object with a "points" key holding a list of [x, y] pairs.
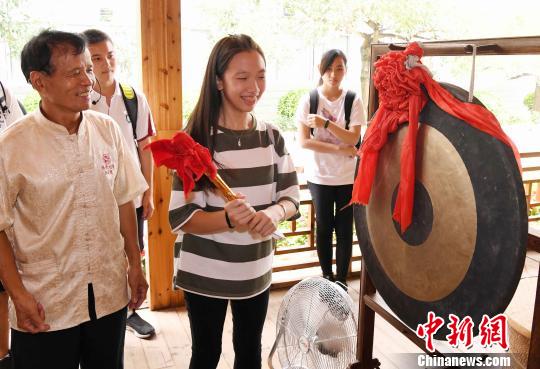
{"points": [[67, 89], [104, 61]]}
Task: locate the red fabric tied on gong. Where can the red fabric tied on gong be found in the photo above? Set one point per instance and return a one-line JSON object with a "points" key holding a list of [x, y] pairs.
{"points": [[400, 100], [181, 153]]}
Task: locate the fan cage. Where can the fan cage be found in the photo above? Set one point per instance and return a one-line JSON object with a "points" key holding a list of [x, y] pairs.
{"points": [[316, 327]]}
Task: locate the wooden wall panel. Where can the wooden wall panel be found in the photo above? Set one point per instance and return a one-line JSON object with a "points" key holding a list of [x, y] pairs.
{"points": [[162, 83]]}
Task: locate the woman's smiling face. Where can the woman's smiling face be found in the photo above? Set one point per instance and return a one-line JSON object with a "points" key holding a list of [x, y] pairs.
{"points": [[243, 82]]}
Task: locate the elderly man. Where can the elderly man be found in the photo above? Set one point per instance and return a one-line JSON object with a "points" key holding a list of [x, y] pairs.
{"points": [[68, 234], [10, 111]]}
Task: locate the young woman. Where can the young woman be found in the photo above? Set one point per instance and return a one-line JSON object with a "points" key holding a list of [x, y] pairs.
{"points": [[330, 172], [224, 249]]}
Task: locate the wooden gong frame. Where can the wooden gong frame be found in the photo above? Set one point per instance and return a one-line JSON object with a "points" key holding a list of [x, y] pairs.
{"points": [[370, 302]]}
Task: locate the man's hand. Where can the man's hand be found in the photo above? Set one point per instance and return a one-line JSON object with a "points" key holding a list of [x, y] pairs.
{"points": [[128, 229], [138, 285], [30, 314], [147, 204]]}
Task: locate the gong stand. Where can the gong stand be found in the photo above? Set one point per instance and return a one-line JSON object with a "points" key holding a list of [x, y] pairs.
{"points": [[369, 301], [369, 304]]}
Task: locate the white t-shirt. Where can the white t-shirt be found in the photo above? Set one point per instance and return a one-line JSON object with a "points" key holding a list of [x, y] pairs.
{"points": [[10, 110], [328, 168], [117, 111]]}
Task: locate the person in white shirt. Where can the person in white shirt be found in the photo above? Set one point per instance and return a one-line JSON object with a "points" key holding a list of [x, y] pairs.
{"points": [[112, 98], [331, 141], [68, 236], [10, 111]]}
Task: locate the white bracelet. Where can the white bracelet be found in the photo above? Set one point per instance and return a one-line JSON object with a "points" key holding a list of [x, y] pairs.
{"points": [[284, 210]]}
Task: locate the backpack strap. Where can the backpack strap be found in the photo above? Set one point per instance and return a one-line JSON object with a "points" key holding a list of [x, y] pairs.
{"points": [[313, 104], [3, 101], [23, 109], [349, 99], [130, 101], [313, 101]]}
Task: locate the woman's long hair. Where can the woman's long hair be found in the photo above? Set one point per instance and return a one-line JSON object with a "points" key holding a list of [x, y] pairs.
{"points": [[204, 117], [327, 59]]}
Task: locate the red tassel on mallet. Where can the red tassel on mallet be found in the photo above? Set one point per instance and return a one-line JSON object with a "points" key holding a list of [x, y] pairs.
{"points": [[190, 160]]}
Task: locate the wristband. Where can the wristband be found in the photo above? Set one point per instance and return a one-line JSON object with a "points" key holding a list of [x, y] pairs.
{"points": [[326, 123], [228, 220]]}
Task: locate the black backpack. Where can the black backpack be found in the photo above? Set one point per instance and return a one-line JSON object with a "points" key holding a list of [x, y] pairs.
{"points": [[130, 101]]}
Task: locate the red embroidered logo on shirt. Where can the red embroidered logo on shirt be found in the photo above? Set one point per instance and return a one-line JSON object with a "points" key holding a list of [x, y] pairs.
{"points": [[108, 165]]}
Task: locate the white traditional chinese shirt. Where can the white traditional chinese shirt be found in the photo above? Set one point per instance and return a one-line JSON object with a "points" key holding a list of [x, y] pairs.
{"points": [[59, 199]]}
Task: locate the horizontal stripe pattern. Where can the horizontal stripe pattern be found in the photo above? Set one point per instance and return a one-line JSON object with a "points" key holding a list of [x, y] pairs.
{"points": [[286, 181], [233, 264], [219, 269], [230, 236], [210, 208], [256, 195], [229, 253], [249, 177], [227, 140], [177, 217]]}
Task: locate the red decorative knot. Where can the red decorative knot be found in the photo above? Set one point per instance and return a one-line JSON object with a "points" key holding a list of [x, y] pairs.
{"points": [[394, 82], [181, 153]]}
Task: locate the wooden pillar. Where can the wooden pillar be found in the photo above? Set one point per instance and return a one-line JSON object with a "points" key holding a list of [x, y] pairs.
{"points": [[162, 83], [533, 360], [366, 323]]}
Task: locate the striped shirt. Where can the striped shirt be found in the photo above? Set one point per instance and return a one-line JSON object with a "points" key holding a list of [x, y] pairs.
{"points": [[232, 264]]}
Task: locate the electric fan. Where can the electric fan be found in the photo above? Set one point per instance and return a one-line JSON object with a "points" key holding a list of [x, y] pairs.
{"points": [[316, 327]]}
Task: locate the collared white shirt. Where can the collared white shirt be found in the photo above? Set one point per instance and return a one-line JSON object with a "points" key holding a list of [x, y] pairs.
{"points": [[117, 111], [59, 199]]}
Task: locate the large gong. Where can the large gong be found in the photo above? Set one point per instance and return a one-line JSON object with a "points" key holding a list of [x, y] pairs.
{"points": [[464, 251]]}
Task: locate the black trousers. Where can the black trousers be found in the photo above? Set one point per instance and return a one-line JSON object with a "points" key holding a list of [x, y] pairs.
{"points": [[325, 200], [96, 344], [206, 319]]}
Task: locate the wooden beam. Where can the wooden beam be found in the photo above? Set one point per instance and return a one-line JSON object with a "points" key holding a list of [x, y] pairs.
{"points": [[162, 83], [487, 46]]}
